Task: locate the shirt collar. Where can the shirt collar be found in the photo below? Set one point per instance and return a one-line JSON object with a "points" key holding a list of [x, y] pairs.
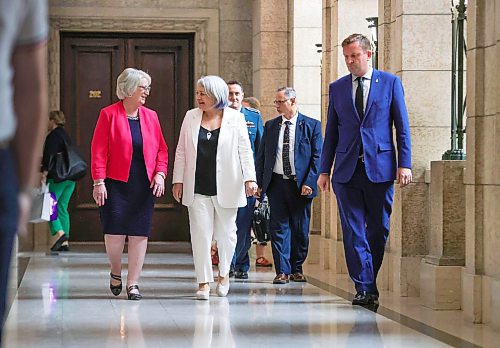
{"points": [[367, 75], [293, 120]]}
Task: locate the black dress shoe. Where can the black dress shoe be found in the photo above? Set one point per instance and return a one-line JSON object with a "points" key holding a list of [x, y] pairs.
{"points": [[134, 296], [298, 277], [281, 278], [115, 289], [58, 244], [364, 298], [241, 275]]}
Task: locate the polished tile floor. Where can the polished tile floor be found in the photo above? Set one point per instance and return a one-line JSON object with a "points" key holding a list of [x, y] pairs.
{"points": [[64, 301]]}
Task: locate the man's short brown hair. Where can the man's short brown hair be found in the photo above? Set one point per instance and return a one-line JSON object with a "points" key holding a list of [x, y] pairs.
{"points": [[363, 41]]}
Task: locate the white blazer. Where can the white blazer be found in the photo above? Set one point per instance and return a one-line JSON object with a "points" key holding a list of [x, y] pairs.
{"points": [[235, 164]]}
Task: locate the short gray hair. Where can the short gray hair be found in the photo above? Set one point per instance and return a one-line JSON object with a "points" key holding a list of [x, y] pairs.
{"points": [[128, 81], [216, 88], [289, 92]]}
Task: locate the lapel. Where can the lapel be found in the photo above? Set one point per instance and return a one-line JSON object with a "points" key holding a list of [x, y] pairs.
{"points": [[227, 122], [274, 136], [195, 126], [299, 132], [374, 90]]}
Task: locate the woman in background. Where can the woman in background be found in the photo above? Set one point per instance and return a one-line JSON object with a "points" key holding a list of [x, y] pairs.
{"points": [[54, 143]]}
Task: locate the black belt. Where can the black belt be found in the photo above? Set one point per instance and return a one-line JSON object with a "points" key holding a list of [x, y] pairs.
{"points": [[284, 177]]}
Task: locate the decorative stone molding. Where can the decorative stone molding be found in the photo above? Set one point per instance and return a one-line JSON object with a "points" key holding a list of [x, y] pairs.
{"points": [[199, 26]]}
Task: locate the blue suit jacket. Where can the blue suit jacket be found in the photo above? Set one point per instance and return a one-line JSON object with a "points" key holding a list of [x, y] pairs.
{"points": [[344, 131], [307, 152], [255, 128]]}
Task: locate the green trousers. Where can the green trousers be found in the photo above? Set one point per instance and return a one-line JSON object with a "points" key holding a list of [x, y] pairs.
{"points": [[63, 191]]}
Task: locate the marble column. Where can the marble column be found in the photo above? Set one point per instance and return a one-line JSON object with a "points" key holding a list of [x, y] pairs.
{"points": [[270, 52], [340, 19], [481, 274], [415, 42], [440, 270]]}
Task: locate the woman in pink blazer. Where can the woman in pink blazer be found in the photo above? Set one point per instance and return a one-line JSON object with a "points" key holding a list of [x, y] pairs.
{"points": [[213, 171], [129, 164]]}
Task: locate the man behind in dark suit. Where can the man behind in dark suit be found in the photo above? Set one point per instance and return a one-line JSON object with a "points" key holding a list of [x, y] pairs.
{"points": [[363, 108], [287, 171]]}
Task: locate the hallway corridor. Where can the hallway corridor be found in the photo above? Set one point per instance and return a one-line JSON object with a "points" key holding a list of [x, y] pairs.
{"points": [[64, 301]]}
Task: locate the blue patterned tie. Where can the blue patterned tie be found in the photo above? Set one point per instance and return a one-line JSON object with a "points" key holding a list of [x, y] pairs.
{"points": [[287, 167]]}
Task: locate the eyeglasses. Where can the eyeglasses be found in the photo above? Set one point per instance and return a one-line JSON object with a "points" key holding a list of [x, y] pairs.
{"points": [[280, 102], [146, 88]]}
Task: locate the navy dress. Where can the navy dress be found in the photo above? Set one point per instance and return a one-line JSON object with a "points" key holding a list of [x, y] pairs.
{"points": [[129, 207]]}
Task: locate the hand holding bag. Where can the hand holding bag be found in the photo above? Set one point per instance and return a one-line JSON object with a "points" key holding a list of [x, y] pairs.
{"points": [[43, 205], [67, 164]]}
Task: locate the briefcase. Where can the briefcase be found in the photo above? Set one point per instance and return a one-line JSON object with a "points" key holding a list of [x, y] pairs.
{"points": [[261, 221]]}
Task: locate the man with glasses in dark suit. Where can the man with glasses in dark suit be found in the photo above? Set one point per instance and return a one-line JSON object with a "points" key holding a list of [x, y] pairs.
{"points": [[287, 170]]}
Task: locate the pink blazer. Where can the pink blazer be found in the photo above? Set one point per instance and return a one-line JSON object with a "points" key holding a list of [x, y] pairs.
{"points": [[111, 149]]}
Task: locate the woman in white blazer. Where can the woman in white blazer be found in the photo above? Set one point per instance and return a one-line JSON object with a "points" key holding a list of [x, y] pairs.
{"points": [[213, 173]]}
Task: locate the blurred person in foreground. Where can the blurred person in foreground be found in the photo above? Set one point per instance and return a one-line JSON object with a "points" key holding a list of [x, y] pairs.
{"points": [[23, 96]]}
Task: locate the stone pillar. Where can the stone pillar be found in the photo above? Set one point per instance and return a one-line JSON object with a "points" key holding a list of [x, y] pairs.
{"points": [[481, 274], [305, 33], [415, 44], [340, 18], [236, 54], [270, 52], [440, 271]]}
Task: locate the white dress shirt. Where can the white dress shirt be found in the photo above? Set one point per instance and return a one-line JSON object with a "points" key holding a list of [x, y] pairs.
{"points": [[367, 80], [278, 165]]}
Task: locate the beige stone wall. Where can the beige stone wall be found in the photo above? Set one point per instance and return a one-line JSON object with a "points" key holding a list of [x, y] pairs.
{"points": [[305, 31], [236, 42], [270, 51], [415, 41], [481, 275], [223, 28]]}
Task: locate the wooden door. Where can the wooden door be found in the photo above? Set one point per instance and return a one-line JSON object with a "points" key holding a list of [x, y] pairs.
{"points": [[90, 64]]}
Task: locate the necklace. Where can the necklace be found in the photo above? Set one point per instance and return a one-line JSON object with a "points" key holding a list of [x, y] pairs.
{"points": [[209, 135], [133, 117]]}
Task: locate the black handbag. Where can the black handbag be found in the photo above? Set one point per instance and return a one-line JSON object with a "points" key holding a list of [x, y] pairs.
{"points": [[261, 222], [67, 164]]}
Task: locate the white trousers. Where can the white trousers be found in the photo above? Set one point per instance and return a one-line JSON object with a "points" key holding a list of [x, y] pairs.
{"points": [[207, 220]]}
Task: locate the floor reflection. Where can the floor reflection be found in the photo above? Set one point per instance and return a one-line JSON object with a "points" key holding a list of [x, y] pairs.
{"points": [[65, 302], [212, 325]]}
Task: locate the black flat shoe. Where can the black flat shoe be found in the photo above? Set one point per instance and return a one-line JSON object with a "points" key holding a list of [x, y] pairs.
{"points": [[132, 295], [115, 289], [58, 244], [364, 298]]}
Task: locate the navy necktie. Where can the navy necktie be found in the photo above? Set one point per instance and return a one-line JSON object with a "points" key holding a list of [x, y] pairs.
{"points": [[359, 98], [285, 155]]}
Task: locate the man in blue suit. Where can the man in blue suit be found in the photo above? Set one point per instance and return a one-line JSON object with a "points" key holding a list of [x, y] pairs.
{"points": [[364, 107], [241, 261], [287, 171]]}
